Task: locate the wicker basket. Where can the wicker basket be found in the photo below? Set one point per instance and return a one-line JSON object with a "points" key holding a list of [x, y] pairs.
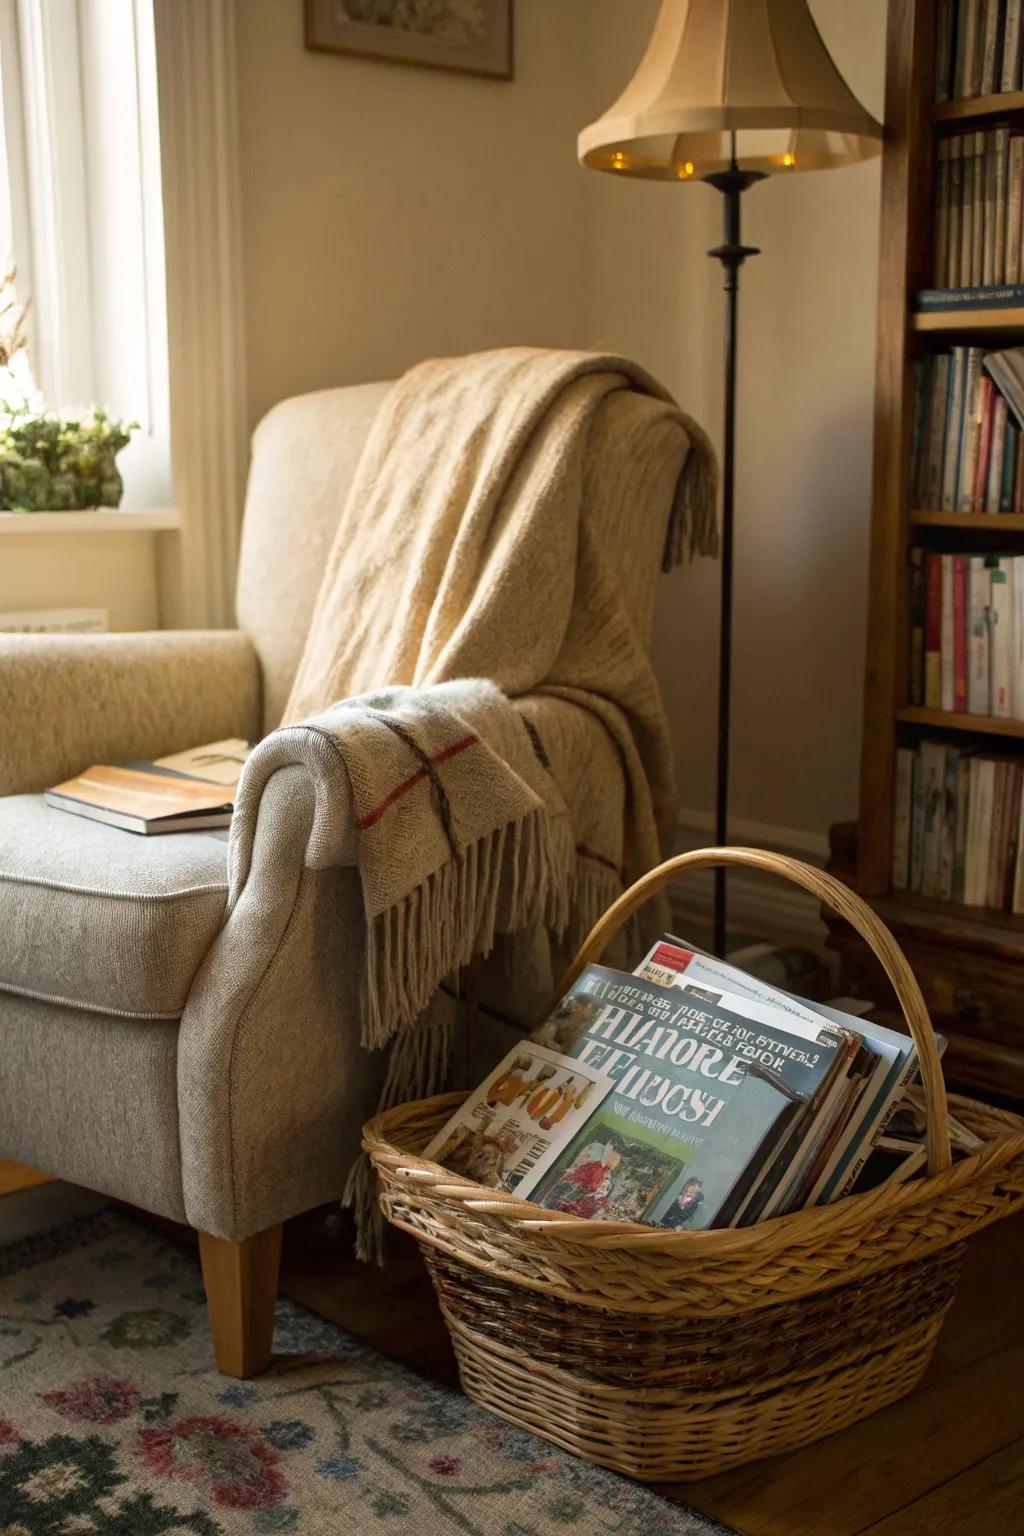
{"points": [[670, 1354]]}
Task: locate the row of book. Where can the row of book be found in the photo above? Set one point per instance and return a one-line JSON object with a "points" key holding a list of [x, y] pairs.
{"points": [[978, 208], [957, 831], [967, 441], [979, 48], [686, 1094], [967, 633]]}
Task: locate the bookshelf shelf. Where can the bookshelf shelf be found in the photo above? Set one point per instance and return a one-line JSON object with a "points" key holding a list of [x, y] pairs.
{"points": [[1005, 322], [992, 525], [979, 109], [940, 719]]}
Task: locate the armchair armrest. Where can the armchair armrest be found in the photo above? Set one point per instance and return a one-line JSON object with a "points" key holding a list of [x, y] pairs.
{"points": [[68, 701]]}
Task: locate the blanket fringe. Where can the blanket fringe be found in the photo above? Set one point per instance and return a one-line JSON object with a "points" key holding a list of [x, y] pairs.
{"points": [[417, 1069], [693, 521], [518, 876]]}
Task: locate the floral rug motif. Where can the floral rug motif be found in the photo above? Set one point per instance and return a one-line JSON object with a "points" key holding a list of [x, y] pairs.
{"points": [[114, 1421]]}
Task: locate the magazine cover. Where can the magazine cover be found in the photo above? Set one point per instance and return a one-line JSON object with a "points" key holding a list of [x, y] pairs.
{"points": [[702, 1099], [511, 1129]]}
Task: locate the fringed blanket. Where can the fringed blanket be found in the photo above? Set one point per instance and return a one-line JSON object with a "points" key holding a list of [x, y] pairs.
{"points": [[483, 538]]}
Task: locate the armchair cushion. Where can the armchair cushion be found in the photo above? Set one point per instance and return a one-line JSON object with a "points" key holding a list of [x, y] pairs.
{"points": [[102, 919]]}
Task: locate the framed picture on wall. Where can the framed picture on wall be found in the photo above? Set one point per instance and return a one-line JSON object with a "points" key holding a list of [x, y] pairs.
{"points": [[470, 37]]}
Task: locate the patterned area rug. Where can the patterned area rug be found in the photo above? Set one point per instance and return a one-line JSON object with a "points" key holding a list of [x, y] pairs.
{"points": [[113, 1421]]}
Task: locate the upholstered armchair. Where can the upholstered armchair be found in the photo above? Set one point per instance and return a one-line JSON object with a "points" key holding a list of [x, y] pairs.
{"points": [[196, 1057]]}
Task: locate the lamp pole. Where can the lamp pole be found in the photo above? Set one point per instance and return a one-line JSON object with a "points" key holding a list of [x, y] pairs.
{"points": [[732, 253]]}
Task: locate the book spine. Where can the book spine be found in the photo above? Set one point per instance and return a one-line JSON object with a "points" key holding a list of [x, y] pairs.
{"points": [[938, 406], [917, 613], [968, 160], [970, 436], [978, 222], [1018, 476], [963, 787], [956, 202], [1014, 207], [986, 421], [986, 816], [997, 453], [989, 41], [946, 640], [1017, 639], [940, 244], [1011, 452], [1001, 626], [901, 818], [933, 633], [1002, 171], [959, 634], [989, 172], [944, 47], [933, 767], [947, 829], [995, 839], [979, 588], [954, 428], [1013, 37], [917, 825], [967, 49], [960, 300]]}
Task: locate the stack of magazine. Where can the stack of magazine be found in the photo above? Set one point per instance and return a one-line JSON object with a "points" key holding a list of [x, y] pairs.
{"points": [[687, 1094]]}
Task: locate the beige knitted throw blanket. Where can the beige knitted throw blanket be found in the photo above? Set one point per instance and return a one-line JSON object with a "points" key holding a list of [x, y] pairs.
{"points": [[470, 548]]}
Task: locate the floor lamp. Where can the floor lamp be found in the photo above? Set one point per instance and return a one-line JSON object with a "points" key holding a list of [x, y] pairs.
{"points": [[729, 92]]}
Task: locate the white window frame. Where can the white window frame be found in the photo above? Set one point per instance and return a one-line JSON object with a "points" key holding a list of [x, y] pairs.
{"points": [[81, 127]]}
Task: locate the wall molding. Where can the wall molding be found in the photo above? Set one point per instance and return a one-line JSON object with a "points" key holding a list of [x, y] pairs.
{"points": [[766, 908], [201, 171]]}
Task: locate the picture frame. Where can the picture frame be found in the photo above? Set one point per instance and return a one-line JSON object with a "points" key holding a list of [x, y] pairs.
{"points": [[464, 37]]}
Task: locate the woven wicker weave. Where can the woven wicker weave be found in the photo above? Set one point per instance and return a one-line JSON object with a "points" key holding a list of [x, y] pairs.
{"points": [[670, 1354]]}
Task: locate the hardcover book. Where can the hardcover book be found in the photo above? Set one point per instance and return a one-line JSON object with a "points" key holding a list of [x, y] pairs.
{"points": [[187, 792]]}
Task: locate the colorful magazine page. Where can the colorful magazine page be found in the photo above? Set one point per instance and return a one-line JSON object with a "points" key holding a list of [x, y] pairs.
{"points": [[702, 1099], [508, 1133]]}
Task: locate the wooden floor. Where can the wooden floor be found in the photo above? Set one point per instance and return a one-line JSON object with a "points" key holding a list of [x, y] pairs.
{"points": [[947, 1461]]}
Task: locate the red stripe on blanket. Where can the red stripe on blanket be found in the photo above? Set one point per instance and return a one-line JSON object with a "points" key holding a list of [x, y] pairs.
{"points": [[599, 858], [414, 779]]}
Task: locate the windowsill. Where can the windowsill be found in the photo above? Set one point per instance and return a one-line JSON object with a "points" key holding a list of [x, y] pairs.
{"points": [[100, 520]]}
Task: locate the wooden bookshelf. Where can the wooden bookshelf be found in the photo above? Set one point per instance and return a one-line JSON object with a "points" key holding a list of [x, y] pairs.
{"points": [[993, 525], [979, 109], [969, 961], [985, 322], [975, 725]]}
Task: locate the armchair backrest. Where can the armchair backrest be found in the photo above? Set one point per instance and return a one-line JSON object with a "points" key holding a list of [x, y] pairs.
{"points": [[304, 456]]}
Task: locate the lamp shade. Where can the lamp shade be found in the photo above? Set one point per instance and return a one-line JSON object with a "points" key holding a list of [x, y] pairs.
{"points": [[724, 78]]}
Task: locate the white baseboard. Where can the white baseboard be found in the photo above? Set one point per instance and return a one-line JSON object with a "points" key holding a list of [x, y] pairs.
{"points": [[766, 908]]}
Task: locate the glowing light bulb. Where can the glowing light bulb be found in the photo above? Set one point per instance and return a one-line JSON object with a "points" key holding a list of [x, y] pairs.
{"points": [[685, 170], [789, 158]]}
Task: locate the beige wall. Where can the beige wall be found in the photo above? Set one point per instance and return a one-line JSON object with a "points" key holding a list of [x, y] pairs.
{"points": [[806, 387], [115, 571], [393, 213]]}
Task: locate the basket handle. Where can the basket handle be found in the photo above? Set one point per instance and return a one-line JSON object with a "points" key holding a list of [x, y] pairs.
{"points": [[843, 901]]}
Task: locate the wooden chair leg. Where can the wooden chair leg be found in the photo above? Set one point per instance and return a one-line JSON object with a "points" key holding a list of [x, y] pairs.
{"points": [[241, 1290]]}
